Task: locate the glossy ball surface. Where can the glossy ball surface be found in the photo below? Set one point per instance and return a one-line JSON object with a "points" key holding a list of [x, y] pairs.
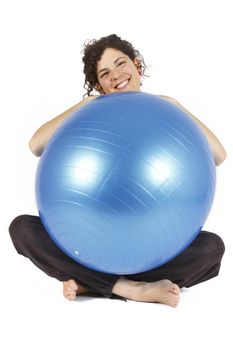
{"points": [[126, 183]]}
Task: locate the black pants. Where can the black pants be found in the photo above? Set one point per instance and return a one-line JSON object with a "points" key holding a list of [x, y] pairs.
{"points": [[197, 263]]}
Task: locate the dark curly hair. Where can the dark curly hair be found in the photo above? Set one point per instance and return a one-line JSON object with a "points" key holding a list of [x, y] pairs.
{"points": [[93, 50]]}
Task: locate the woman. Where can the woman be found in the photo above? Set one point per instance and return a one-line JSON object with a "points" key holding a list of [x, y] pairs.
{"points": [[113, 65]]}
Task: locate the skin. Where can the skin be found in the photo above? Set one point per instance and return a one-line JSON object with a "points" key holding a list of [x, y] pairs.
{"points": [[114, 68]]}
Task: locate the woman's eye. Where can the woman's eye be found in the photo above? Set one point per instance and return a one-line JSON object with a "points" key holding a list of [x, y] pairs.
{"points": [[104, 75]]}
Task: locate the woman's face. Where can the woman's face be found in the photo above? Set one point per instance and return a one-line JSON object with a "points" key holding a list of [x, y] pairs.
{"points": [[116, 72]]}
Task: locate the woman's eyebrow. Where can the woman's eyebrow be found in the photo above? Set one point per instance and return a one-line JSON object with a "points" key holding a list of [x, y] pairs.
{"points": [[114, 63]]}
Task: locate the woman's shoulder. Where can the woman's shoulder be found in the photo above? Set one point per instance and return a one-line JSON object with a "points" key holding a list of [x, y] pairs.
{"points": [[90, 98], [168, 98]]}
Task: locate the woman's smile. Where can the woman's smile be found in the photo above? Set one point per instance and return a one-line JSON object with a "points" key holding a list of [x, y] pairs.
{"points": [[122, 85]]}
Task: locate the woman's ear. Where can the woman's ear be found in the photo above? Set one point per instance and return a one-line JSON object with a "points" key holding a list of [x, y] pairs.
{"points": [[99, 88], [138, 65]]}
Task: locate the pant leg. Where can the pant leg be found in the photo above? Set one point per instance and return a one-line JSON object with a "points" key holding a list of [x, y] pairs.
{"points": [[31, 240], [197, 263]]}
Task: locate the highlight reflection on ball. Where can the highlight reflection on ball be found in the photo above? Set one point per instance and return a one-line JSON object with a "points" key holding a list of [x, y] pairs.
{"points": [[126, 183]]}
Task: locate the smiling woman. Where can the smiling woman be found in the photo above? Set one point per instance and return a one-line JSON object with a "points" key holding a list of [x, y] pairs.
{"points": [[112, 64], [117, 72]]}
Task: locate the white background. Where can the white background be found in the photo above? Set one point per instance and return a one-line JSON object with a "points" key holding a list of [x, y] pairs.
{"points": [[188, 46]]}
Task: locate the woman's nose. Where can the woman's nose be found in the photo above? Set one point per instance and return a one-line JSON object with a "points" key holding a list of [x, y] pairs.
{"points": [[115, 75]]}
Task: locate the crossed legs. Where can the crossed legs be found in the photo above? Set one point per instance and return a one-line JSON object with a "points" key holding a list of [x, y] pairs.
{"points": [[198, 263]]}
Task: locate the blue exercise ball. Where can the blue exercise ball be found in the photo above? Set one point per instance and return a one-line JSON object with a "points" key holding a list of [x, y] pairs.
{"points": [[126, 183]]}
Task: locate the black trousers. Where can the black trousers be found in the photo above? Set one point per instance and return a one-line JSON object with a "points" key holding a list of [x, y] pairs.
{"points": [[197, 263]]}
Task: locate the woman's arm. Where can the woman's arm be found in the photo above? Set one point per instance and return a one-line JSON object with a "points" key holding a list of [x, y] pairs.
{"points": [[41, 137], [217, 148]]}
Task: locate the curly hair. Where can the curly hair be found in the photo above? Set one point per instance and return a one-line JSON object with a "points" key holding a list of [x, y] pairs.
{"points": [[93, 51]]}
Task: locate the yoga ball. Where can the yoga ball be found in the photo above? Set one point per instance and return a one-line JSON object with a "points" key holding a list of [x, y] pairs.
{"points": [[126, 183]]}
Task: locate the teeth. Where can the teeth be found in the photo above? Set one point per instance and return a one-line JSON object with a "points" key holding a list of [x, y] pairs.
{"points": [[123, 84]]}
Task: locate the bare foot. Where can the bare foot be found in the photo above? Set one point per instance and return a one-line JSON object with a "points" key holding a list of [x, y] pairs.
{"points": [[163, 291], [71, 289]]}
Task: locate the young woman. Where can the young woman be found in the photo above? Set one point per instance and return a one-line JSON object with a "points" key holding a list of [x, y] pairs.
{"points": [[113, 65]]}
